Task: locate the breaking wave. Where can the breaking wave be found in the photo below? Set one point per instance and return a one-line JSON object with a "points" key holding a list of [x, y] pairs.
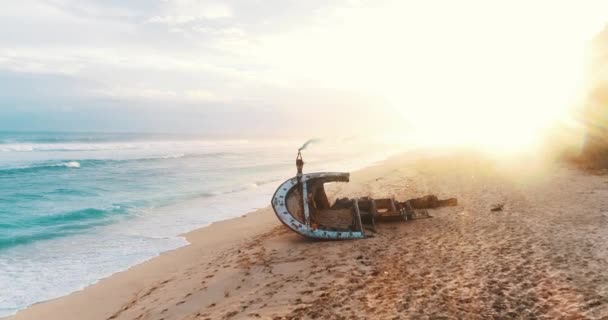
{"points": [[40, 167], [71, 164], [107, 146], [76, 164], [46, 227]]}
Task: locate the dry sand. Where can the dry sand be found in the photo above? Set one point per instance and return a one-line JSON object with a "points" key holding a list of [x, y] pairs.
{"points": [[543, 256]]}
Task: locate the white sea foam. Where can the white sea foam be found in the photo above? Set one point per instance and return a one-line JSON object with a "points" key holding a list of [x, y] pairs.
{"points": [[53, 268], [137, 145], [173, 156], [71, 164]]}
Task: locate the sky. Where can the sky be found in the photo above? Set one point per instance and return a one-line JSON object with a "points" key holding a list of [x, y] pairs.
{"points": [[432, 68]]}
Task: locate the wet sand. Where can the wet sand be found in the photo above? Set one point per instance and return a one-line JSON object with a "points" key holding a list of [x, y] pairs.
{"points": [[543, 256]]}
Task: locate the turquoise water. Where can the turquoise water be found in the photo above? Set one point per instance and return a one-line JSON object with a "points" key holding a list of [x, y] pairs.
{"points": [[77, 207]]}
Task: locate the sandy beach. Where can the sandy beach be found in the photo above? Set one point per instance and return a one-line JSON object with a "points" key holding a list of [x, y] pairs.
{"points": [[543, 256]]}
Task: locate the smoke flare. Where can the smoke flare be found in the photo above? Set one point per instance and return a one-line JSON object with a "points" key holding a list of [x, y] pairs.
{"points": [[310, 141]]}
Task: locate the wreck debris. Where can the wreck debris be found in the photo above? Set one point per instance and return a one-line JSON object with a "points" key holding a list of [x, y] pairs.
{"points": [[301, 203], [432, 202], [497, 207]]}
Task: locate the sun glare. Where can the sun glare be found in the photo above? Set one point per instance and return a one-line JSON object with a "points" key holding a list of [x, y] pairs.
{"points": [[498, 87], [494, 77]]}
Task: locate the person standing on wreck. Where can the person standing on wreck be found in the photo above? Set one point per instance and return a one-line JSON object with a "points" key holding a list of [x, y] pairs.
{"points": [[299, 165]]}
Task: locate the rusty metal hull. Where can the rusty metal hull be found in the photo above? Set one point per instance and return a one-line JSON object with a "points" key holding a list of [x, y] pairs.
{"points": [[297, 192], [302, 205]]}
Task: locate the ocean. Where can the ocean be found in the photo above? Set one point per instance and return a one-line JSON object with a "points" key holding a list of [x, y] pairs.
{"points": [[78, 207]]}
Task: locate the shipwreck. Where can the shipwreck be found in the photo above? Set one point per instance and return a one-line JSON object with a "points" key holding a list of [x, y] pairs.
{"points": [[301, 204]]}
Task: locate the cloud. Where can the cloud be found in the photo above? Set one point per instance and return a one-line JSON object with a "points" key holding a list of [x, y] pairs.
{"points": [[160, 59], [173, 96], [311, 56], [206, 96], [189, 11]]}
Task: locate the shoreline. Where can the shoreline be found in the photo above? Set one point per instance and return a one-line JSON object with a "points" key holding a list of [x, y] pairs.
{"points": [[543, 256], [128, 282], [174, 241], [193, 237]]}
